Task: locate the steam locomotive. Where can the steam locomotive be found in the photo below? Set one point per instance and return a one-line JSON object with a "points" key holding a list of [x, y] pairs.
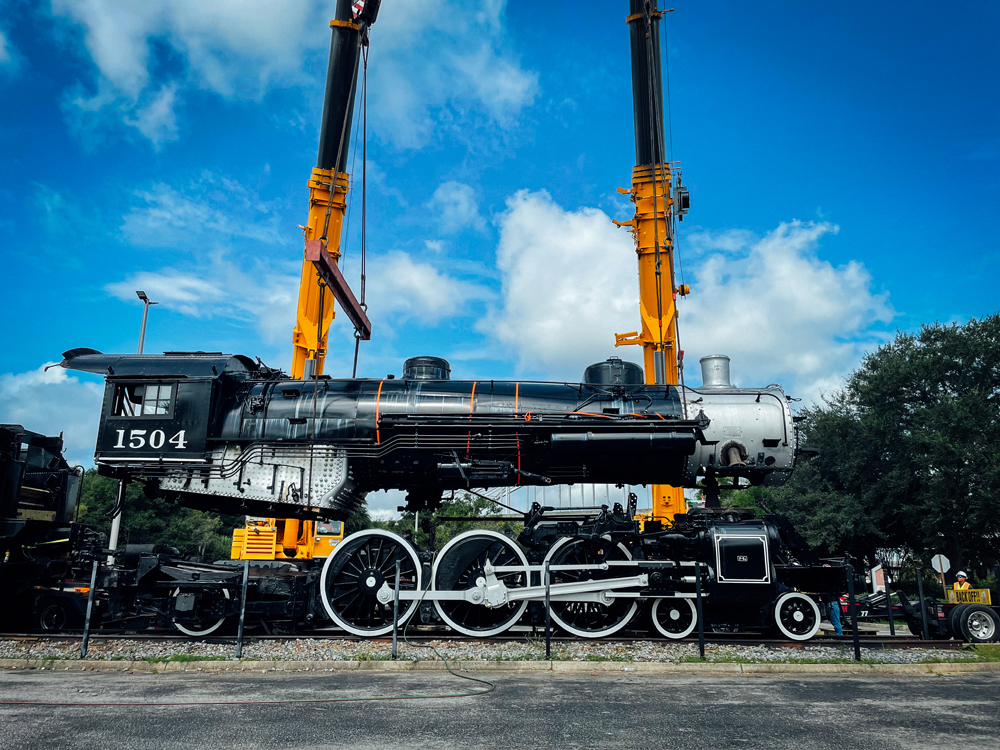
{"points": [[229, 434], [226, 433]]}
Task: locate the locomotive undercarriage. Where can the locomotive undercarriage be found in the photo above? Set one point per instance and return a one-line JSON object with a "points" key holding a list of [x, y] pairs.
{"points": [[603, 574]]}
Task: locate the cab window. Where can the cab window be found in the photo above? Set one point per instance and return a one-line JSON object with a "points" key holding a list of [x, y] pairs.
{"points": [[142, 400], [330, 528]]}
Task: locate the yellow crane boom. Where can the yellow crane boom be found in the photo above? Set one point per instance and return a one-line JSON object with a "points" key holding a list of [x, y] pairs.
{"points": [[321, 281], [659, 198]]}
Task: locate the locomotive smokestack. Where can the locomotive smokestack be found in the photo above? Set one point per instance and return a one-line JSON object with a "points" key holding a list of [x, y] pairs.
{"points": [[715, 372], [647, 84]]}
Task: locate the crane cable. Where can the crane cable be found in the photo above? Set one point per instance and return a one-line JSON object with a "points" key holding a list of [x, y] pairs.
{"points": [[364, 201], [673, 217], [656, 135], [362, 41], [650, 90]]}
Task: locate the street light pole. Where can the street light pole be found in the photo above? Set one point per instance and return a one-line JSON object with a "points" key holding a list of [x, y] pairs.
{"points": [[145, 314], [116, 521]]}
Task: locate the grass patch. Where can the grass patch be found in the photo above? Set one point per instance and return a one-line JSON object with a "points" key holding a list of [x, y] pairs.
{"points": [[597, 657], [987, 651], [369, 656]]}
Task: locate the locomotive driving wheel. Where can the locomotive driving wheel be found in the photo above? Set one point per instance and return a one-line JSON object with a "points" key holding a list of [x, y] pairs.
{"points": [[674, 616], [796, 616], [588, 619], [460, 566], [354, 573]]}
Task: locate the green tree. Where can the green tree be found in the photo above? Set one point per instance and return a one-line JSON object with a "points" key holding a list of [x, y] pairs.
{"points": [[464, 505], [197, 534], [909, 451]]}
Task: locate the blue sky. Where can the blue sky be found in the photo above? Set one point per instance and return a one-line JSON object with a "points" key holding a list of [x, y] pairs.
{"points": [[842, 160]]}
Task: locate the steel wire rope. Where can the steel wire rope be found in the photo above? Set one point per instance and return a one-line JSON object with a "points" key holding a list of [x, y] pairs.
{"points": [[670, 131], [324, 239], [490, 687], [363, 44], [656, 135], [364, 201], [362, 40], [315, 398], [350, 203], [650, 90], [673, 215], [287, 701], [489, 499]]}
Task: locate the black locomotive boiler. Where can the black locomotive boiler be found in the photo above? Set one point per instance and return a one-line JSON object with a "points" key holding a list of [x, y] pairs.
{"points": [[225, 433]]}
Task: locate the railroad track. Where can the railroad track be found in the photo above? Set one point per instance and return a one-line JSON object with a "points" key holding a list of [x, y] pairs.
{"points": [[867, 640]]}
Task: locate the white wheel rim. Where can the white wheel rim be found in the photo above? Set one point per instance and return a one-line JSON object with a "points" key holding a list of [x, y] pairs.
{"points": [[982, 627], [404, 615], [438, 605], [672, 600], [795, 595], [589, 633], [207, 631]]}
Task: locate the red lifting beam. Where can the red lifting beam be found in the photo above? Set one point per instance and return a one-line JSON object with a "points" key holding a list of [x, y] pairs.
{"points": [[330, 272]]}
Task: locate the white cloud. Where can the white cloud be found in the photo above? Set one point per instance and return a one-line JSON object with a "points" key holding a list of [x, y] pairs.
{"points": [[157, 119], [456, 206], [429, 63], [729, 241], [569, 282], [210, 209], [50, 402], [382, 505], [234, 48], [6, 58], [779, 311], [408, 289], [181, 291], [260, 293], [430, 69]]}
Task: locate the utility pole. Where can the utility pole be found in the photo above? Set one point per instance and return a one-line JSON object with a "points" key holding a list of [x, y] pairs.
{"points": [[116, 521]]}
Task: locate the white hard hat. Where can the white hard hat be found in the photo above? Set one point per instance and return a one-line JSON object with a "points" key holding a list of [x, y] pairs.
{"points": [[961, 574]]}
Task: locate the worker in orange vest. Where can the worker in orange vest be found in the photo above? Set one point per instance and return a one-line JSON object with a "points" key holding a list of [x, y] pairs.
{"points": [[961, 584]]}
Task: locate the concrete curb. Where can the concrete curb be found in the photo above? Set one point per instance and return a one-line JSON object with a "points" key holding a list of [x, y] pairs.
{"points": [[566, 667]]}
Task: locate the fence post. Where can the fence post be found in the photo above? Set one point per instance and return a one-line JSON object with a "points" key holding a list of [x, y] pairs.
{"points": [[395, 612], [853, 609], [701, 620], [243, 608], [923, 604], [90, 608], [548, 618]]}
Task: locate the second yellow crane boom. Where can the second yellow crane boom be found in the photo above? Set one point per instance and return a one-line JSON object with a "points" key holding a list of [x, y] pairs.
{"points": [[658, 198]]}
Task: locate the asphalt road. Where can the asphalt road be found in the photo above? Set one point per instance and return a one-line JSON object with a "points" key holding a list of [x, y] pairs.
{"points": [[613, 710]]}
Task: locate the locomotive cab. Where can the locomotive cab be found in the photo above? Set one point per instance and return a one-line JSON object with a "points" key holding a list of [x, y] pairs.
{"points": [[157, 409]]}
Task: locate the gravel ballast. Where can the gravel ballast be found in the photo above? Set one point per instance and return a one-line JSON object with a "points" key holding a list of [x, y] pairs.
{"points": [[331, 650]]}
